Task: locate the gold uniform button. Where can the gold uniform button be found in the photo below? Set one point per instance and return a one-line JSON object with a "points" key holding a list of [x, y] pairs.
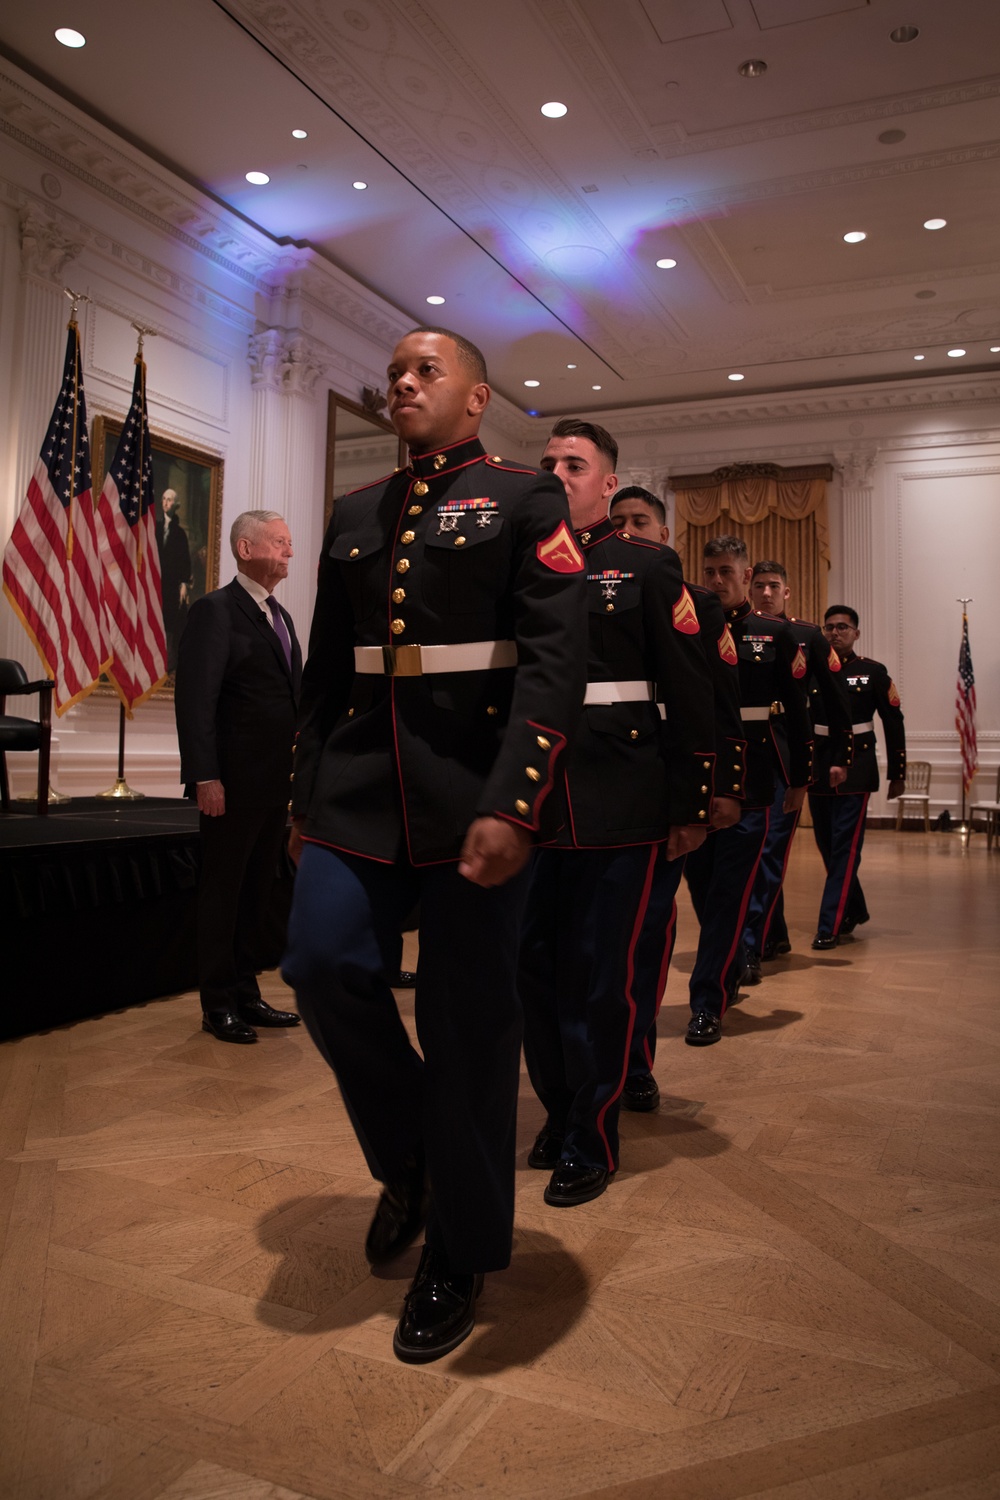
{"points": [[439, 460], [408, 537], [397, 627], [398, 595], [705, 765], [543, 743], [420, 488], [532, 774], [704, 788], [460, 541], [522, 807], [497, 459], [625, 536], [292, 776], [354, 552], [415, 510], [609, 609], [736, 786], [491, 710], [633, 734], [702, 813], [350, 713], [402, 565]]}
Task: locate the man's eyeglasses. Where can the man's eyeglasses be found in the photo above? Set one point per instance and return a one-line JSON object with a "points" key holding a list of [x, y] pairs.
{"points": [[832, 629]]}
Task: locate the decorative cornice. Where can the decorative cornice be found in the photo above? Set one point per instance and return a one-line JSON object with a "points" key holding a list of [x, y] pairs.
{"points": [[49, 242]]}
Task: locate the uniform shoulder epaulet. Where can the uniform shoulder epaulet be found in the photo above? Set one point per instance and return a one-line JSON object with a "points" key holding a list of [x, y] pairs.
{"points": [[794, 620], [496, 462], [626, 536], [371, 485]]}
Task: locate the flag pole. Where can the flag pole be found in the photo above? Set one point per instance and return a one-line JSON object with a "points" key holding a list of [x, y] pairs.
{"points": [[121, 791], [962, 827]]}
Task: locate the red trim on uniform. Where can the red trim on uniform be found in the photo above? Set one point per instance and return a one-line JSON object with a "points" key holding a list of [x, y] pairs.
{"points": [[668, 953], [742, 922], [781, 883], [629, 1000], [508, 468], [852, 865], [636, 541], [371, 485], [342, 849]]}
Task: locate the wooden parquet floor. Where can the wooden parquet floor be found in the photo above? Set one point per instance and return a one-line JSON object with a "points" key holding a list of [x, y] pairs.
{"points": [[791, 1290]]}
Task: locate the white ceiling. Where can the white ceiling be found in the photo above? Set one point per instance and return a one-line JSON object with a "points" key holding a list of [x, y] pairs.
{"points": [[542, 234]]}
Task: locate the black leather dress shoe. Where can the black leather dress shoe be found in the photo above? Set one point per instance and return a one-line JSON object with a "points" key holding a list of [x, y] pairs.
{"points": [[259, 1013], [439, 1311], [751, 969], [572, 1183], [776, 949], [703, 1029], [547, 1149], [399, 1216], [404, 980], [227, 1026], [641, 1094], [824, 940]]}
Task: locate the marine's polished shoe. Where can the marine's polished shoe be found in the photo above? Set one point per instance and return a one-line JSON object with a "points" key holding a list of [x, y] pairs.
{"points": [[261, 1014], [399, 1215], [439, 1310], [404, 980], [641, 1094], [571, 1183], [227, 1026], [824, 940], [547, 1149], [751, 969], [703, 1029], [777, 949]]}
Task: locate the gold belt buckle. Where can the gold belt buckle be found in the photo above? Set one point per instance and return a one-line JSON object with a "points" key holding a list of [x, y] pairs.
{"points": [[777, 708], [402, 661]]}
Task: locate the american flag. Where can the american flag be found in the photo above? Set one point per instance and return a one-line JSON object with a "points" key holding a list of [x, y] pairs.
{"points": [[51, 564], [965, 709], [127, 527]]}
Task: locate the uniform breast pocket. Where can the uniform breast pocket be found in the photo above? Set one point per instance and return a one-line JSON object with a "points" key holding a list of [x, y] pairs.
{"points": [[606, 597], [465, 563], [360, 560], [756, 651]]}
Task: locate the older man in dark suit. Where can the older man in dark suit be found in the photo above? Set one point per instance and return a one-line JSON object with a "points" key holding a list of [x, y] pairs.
{"points": [[238, 673]]}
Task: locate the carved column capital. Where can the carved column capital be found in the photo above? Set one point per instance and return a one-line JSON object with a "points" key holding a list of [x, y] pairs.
{"points": [[265, 356], [856, 468], [285, 362], [655, 480], [303, 367], [48, 244]]}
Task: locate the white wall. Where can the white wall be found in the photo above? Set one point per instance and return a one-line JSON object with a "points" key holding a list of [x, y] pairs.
{"points": [[253, 335]]}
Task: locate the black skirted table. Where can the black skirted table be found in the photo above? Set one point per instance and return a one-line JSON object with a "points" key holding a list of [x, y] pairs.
{"points": [[97, 909]]}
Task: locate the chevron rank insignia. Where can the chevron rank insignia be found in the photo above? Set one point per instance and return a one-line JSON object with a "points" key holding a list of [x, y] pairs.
{"points": [[894, 698], [799, 664], [685, 615], [727, 647], [834, 661], [560, 552]]}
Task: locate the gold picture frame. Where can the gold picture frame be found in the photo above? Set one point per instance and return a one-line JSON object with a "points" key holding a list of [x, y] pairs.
{"points": [[196, 479]]}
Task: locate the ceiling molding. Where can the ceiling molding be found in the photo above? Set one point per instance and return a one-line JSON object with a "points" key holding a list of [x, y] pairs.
{"points": [[763, 294], [579, 44]]}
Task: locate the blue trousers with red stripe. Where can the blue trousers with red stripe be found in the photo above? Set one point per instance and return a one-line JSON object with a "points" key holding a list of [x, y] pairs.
{"points": [[720, 878], [653, 953], [839, 826], [766, 909], [582, 990], [455, 1106]]}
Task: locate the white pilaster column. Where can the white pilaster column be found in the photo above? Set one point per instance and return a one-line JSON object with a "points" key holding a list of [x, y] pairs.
{"points": [[303, 485], [857, 471], [654, 479], [267, 421]]}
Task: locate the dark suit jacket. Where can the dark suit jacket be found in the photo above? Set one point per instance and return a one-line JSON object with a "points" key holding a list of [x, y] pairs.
{"points": [[235, 699]]}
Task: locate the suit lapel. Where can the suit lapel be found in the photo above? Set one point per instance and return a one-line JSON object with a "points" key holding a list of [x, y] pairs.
{"points": [[255, 613]]}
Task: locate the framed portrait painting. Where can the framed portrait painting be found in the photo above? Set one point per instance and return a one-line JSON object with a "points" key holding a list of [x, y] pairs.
{"points": [[187, 485]]}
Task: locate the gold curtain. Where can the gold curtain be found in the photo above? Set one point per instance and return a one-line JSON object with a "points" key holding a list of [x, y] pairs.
{"points": [[781, 519]]}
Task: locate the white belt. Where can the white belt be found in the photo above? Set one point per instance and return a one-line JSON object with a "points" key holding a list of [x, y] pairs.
{"points": [[763, 711], [416, 661], [866, 728], [620, 692]]}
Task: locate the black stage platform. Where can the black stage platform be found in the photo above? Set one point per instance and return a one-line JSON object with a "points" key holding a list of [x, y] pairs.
{"points": [[98, 910]]}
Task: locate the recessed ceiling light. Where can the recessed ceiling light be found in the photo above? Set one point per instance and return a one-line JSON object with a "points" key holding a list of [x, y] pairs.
{"points": [[955, 353], [892, 137], [995, 348], [300, 135], [360, 186], [736, 377], [532, 382], [595, 387], [571, 367], [436, 301], [752, 68], [935, 223], [70, 38], [855, 236], [259, 179], [904, 34], [666, 264], [920, 356], [554, 110]]}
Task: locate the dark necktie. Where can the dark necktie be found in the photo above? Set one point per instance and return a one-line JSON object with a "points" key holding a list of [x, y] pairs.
{"points": [[280, 629]]}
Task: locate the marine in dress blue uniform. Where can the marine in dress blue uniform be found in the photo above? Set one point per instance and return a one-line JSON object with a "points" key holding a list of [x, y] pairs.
{"points": [[766, 933], [772, 669], [637, 779], [838, 811], [444, 677], [641, 513]]}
